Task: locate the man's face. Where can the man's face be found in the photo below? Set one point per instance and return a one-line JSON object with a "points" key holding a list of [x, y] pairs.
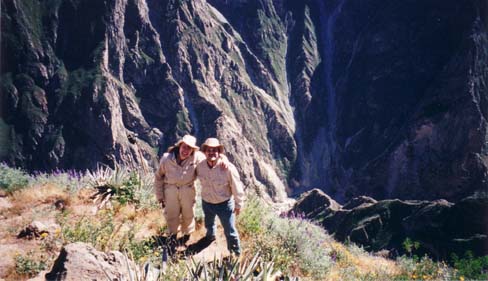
{"points": [[212, 153], [185, 151]]}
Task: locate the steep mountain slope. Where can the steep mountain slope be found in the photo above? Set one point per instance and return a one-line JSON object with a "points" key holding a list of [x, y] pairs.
{"points": [[352, 97]]}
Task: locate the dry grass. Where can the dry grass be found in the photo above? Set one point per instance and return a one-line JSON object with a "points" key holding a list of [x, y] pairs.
{"points": [[359, 265], [82, 196], [150, 222], [36, 195], [144, 223]]}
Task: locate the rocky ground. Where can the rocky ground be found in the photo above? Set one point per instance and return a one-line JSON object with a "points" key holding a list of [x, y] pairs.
{"points": [[47, 230], [33, 224]]}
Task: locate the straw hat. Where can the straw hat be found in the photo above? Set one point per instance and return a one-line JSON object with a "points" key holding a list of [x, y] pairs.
{"points": [[189, 140], [212, 142]]}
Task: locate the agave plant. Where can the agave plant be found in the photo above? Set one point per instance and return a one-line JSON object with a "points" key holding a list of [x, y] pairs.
{"points": [[233, 268], [121, 183]]}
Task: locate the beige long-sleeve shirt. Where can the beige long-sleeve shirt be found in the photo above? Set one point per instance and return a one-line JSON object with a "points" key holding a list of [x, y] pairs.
{"points": [[170, 173], [219, 185]]}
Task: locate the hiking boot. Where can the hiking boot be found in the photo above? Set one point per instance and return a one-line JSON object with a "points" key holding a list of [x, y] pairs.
{"points": [[182, 241], [209, 239], [171, 244], [186, 237]]}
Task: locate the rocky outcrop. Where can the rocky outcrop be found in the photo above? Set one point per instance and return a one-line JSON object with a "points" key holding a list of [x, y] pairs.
{"points": [[80, 261], [37, 229], [357, 98], [440, 227]]}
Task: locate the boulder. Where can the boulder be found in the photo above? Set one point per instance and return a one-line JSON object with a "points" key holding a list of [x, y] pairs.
{"points": [[36, 229], [81, 261], [315, 202]]}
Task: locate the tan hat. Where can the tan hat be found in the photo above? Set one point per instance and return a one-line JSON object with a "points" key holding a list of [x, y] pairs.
{"points": [[212, 142], [191, 141]]}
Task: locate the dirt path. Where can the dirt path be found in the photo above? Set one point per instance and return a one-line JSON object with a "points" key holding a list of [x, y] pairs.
{"points": [[217, 249]]}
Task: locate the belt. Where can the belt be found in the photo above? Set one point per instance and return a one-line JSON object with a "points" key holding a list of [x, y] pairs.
{"points": [[216, 204], [179, 186]]}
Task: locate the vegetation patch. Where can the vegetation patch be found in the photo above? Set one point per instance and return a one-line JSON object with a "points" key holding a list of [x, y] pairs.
{"points": [[12, 179], [282, 246], [29, 265], [294, 244], [470, 267]]}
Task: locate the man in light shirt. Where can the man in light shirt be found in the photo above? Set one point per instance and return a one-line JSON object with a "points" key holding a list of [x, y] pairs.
{"points": [[222, 194]]}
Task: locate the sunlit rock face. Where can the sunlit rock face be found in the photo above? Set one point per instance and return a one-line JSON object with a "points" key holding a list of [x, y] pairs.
{"points": [[355, 98]]}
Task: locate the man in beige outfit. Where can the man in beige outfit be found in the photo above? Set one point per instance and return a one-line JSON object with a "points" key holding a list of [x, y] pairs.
{"points": [[222, 194]]}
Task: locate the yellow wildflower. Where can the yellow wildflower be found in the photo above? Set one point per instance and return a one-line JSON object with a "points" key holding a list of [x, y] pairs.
{"points": [[461, 278], [44, 235]]}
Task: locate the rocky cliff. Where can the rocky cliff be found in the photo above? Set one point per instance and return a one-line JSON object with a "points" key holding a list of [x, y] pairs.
{"points": [[439, 227], [354, 97]]}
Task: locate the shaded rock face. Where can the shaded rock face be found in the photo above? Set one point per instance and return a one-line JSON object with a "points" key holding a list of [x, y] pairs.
{"points": [[439, 226], [80, 261], [357, 98]]}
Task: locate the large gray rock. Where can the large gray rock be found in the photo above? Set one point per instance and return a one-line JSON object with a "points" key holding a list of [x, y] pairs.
{"points": [[315, 202], [80, 261]]}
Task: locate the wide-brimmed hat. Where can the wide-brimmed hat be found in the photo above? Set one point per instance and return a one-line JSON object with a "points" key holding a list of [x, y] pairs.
{"points": [[189, 140], [212, 142]]}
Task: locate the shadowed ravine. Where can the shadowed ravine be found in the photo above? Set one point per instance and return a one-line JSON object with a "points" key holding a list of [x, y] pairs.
{"points": [[353, 98]]}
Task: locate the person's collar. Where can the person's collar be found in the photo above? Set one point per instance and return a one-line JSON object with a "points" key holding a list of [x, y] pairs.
{"points": [[216, 163]]}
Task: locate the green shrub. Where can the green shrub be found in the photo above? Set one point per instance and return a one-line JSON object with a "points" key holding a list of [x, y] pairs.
{"points": [[305, 241], [126, 192], [140, 250], [290, 242], [29, 265], [423, 269], [12, 179], [98, 232], [470, 267], [253, 216], [409, 246]]}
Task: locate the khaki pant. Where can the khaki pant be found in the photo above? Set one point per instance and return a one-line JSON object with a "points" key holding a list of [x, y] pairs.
{"points": [[180, 203]]}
